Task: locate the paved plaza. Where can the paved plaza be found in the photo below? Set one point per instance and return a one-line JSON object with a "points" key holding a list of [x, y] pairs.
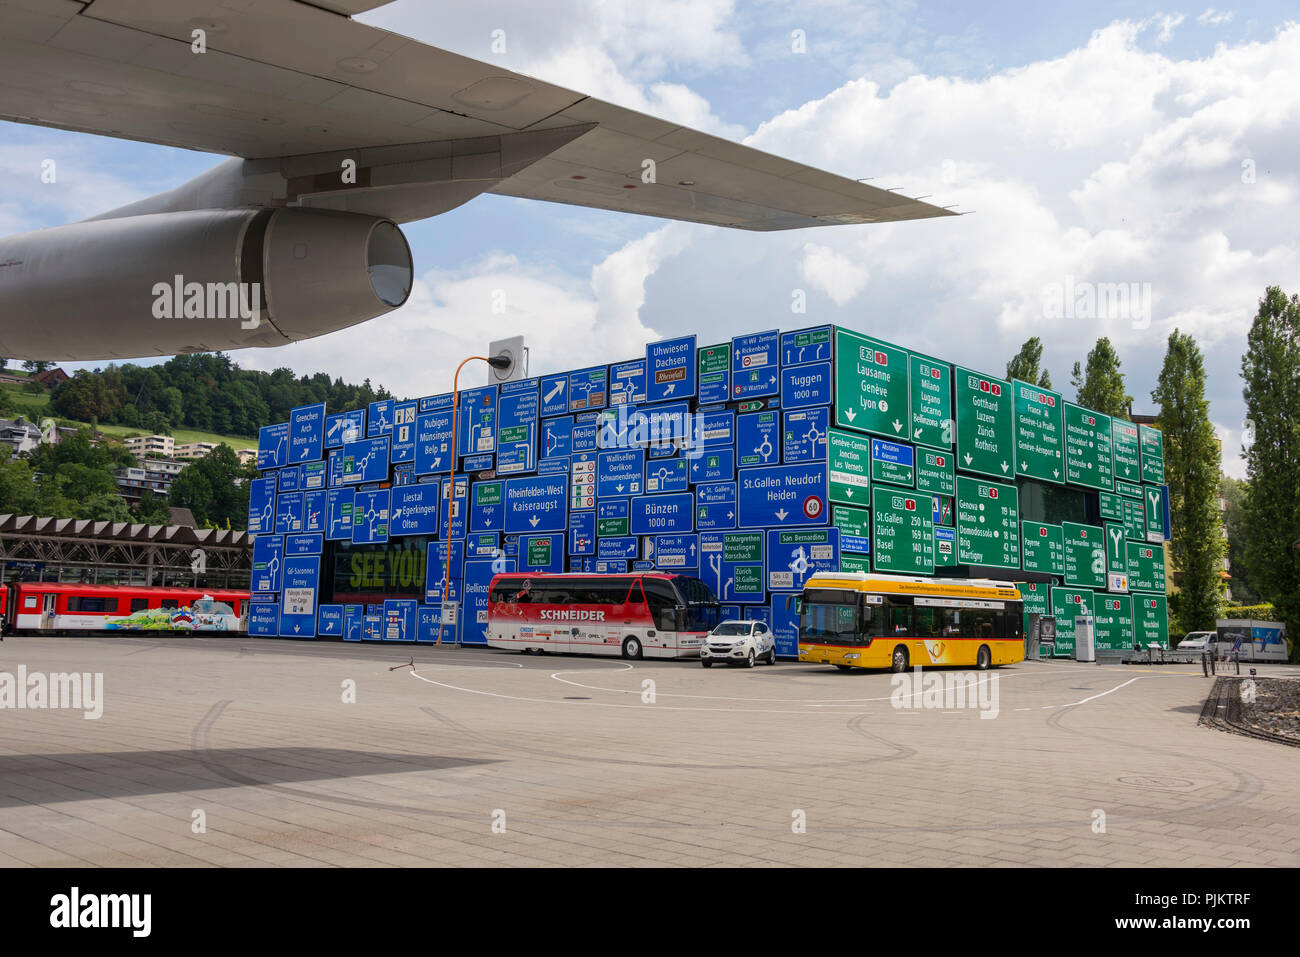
{"points": [[245, 752]]}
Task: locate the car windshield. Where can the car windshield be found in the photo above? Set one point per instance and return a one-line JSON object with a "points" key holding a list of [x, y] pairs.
{"points": [[732, 628]]}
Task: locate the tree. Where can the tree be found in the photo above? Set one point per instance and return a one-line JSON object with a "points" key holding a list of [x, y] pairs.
{"points": [[1101, 384], [1271, 519], [37, 366], [1192, 470], [1024, 365], [152, 510], [1233, 492]]}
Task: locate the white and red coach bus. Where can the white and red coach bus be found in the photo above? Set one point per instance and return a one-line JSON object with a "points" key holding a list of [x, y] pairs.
{"points": [[65, 607], [655, 615]]}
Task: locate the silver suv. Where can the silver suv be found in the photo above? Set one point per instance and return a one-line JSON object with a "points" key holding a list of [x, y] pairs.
{"points": [[739, 643]]}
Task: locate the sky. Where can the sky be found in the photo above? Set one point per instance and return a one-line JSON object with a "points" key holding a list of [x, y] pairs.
{"points": [[1098, 148]]}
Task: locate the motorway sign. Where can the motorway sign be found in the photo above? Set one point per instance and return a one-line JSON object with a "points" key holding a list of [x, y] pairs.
{"points": [[902, 531], [338, 514], [1085, 555], [782, 495], [1151, 619], [433, 442], [307, 433], [1088, 448], [268, 563], [806, 385], [312, 474], [988, 523], [758, 439], [934, 472], [678, 553], [1129, 489], [670, 369], [715, 506], [892, 463], [1116, 552], [984, 424], [482, 545], [555, 395], [667, 475], [1036, 598], [662, 514], [805, 435], [476, 422], [536, 504], [1039, 432], [1068, 604], [415, 510], [1042, 548], [370, 510], [1125, 450], [714, 430], [732, 564], [1153, 497], [518, 411], [627, 383], [1110, 506], [487, 506], [1146, 566], [713, 465], [288, 513], [931, 401], [1112, 622], [855, 528], [795, 554], [298, 600], [714, 368], [612, 517], [261, 505], [1135, 519], [273, 446], [313, 510], [582, 533], [379, 418], [871, 387], [541, 553], [344, 427], [588, 389], [849, 463], [1153, 454], [365, 461], [806, 345]]}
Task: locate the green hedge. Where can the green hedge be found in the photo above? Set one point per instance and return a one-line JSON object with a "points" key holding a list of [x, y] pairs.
{"points": [[1257, 612]]}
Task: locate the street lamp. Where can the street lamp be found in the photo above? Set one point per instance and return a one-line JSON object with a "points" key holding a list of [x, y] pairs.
{"points": [[496, 362]]}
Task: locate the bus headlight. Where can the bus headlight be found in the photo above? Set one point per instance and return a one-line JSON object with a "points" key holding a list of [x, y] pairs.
{"points": [[851, 657]]}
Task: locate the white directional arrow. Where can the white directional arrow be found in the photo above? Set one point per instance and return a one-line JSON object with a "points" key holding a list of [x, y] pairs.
{"points": [[968, 459], [670, 388], [848, 492], [916, 433], [898, 426], [850, 414], [297, 628], [1056, 473], [533, 521], [1004, 467], [487, 523], [731, 515], [781, 515], [618, 487], [559, 387]]}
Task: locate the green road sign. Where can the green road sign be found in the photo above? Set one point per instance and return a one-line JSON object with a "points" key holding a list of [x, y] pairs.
{"points": [[611, 527], [743, 547], [1153, 454], [871, 393], [1068, 604], [1035, 597], [931, 383], [984, 424], [1128, 489], [1085, 555], [1042, 548], [903, 531], [855, 527], [1146, 566], [849, 463], [748, 579], [855, 563], [1038, 432], [934, 472], [1154, 499], [1116, 549], [710, 359], [988, 523], [1124, 450], [892, 472], [1087, 448], [487, 493], [1151, 619], [1113, 622], [1135, 519], [539, 551], [1111, 506]]}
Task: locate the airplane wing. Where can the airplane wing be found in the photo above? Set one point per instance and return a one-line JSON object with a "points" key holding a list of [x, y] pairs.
{"points": [[283, 78]]}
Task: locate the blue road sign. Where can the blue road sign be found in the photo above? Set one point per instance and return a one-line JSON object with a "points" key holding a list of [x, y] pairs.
{"points": [[313, 508], [367, 460], [353, 622], [557, 465], [582, 533], [715, 386], [487, 507], [761, 613], [399, 619], [518, 412], [482, 544], [452, 525], [806, 345], [298, 600], [667, 475], [588, 388], [288, 513], [338, 514], [945, 546], [713, 465], [290, 478], [404, 432], [622, 546], [536, 504], [758, 439], [611, 508], [804, 436], [304, 544], [893, 453], [662, 514], [794, 555], [643, 565], [555, 394], [620, 472], [334, 468], [478, 463], [268, 563], [344, 427], [731, 563], [415, 510], [713, 430], [329, 621], [436, 403], [428, 621], [670, 369], [627, 383], [584, 437], [807, 385], [370, 511], [715, 506], [477, 421], [261, 505], [557, 436], [677, 553], [785, 626], [435, 569], [782, 495], [541, 553], [379, 419], [754, 352], [264, 619], [665, 427], [273, 445], [474, 612], [311, 475]]}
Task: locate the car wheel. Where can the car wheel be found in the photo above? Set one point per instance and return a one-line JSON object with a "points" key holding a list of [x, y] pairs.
{"points": [[706, 664], [632, 647], [983, 658], [898, 664], [750, 659], [771, 656]]}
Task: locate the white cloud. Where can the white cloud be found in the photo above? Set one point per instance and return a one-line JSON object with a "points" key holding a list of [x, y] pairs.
{"points": [[833, 273], [1215, 18]]}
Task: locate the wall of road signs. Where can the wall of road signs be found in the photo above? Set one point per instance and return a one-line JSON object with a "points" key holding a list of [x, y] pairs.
{"points": [[750, 464]]}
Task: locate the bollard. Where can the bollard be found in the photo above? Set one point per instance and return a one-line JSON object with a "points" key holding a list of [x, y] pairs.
{"points": [[1205, 668], [1211, 664], [1237, 659]]}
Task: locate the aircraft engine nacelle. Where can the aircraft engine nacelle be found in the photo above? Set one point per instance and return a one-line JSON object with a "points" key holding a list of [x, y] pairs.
{"points": [[196, 281]]}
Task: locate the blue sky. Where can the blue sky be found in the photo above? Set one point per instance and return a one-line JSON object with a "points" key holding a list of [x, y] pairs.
{"points": [[1096, 144]]}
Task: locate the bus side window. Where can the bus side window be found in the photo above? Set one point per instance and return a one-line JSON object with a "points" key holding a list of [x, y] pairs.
{"points": [[900, 619]]}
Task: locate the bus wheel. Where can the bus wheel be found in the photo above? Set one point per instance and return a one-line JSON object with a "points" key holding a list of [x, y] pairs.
{"points": [[898, 664], [632, 647], [844, 667], [983, 658]]}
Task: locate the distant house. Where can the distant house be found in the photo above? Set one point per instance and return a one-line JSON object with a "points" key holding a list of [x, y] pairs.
{"points": [[19, 434], [51, 377]]}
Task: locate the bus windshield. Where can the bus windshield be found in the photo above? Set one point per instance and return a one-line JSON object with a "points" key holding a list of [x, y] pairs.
{"points": [[702, 609], [830, 616]]}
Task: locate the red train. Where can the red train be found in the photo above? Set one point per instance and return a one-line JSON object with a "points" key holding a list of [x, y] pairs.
{"points": [[62, 607]]}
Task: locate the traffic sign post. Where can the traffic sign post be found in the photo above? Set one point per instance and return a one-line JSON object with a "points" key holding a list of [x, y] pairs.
{"points": [[984, 424], [1113, 622], [1125, 450], [871, 386], [1146, 566]]}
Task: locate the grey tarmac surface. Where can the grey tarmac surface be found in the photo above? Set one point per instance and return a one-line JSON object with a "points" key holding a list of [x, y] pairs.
{"points": [[479, 757]]}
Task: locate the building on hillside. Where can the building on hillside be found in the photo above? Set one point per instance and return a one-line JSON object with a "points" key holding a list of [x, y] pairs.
{"points": [[51, 377], [194, 450], [150, 445], [156, 475], [20, 435], [247, 456]]}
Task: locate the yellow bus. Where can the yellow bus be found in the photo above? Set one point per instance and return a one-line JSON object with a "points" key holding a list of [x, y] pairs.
{"points": [[869, 620]]}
